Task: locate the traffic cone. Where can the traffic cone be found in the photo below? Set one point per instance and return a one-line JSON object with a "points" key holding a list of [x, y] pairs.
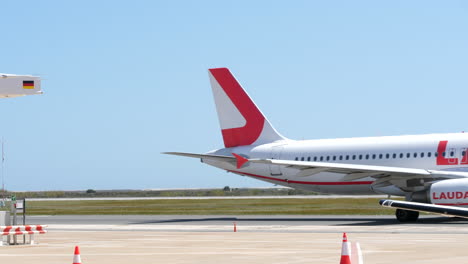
{"points": [[345, 251], [76, 257], [356, 253]]}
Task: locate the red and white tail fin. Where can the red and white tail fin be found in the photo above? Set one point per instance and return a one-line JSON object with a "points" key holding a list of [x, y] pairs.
{"points": [[242, 123]]}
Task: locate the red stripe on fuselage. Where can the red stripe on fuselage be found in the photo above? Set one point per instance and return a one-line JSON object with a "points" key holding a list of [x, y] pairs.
{"points": [[305, 182], [248, 134]]}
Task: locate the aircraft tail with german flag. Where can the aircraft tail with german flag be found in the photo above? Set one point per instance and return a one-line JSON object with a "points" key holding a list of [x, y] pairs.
{"points": [[13, 85]]}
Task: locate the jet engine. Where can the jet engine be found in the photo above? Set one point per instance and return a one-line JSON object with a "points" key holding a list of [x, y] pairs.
{"points": [[446, 192]]}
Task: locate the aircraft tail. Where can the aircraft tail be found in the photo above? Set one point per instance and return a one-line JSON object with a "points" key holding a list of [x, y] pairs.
{"points": [[242, 123]]}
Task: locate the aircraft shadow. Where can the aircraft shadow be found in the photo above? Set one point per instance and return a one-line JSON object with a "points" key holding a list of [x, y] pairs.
{"points": [[355, 221], [421, 221], [186, 220]]}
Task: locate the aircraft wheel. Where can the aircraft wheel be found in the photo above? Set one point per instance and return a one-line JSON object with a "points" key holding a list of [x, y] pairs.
{"points": [[406, 215]]}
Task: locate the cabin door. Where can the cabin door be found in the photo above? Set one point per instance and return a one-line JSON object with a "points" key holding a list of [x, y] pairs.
{"points": [[275, 170]]}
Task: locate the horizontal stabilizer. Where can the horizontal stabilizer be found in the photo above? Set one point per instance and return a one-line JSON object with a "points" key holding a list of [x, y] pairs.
{"points": [[204, 156]]}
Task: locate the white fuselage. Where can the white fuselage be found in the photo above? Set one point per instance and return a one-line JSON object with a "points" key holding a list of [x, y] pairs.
{"points": [[426, 169], [430, 152]]}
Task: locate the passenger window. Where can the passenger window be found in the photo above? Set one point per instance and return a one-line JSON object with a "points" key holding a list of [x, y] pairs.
{"points": [[387, 156], [443, 154], [394, 155], [302, 159], [321, 158], [415, 155], [360, 157], [354, 157], [373, 156], [341, 157], [463, 153], [436, 154], [347, 157], [308, 158], [328, 158], [451, 153], [408, 155], [429, 154], [296, 158], [367, 156], [422, 154], [334, 157], [315, 158], [401, 155]]}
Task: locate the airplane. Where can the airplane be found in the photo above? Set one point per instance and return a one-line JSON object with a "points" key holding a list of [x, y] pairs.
{"points": [[427, 170], [14, 85]]}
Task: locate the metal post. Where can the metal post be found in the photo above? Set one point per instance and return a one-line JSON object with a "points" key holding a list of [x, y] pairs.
{"points": [[24, 221], [11, 211], [15, 222], [24, 211]]}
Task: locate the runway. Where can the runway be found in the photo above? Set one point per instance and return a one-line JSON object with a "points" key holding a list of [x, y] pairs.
{"points": [[259, 239]]}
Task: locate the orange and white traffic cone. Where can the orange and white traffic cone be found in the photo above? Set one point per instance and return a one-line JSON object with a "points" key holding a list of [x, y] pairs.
{"points": [[356, 253], [345, 251], [76, 257]]}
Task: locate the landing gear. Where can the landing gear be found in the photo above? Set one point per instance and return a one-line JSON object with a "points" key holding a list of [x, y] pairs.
{"points": [[406, 215]]}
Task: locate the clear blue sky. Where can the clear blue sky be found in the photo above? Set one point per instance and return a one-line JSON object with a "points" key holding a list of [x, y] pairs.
{"points": [[126, 80]]}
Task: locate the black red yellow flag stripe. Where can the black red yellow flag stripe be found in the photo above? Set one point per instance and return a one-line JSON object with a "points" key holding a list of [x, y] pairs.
{"points": [[28, 84]]}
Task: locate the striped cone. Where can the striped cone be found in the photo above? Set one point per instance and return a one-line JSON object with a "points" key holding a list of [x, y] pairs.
{"points": [[345, 251], [76, 257], [356, 253]]}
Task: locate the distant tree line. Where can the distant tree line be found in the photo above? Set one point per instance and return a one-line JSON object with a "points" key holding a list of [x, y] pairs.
{"points": [[226, 191]]}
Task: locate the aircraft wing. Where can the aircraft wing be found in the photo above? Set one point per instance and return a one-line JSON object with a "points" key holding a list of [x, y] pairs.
{"points": [[384, 175], [429, 208], [407, 179]]}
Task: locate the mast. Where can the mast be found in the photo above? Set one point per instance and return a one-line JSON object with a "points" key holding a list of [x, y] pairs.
{"points": [[3, 175]]}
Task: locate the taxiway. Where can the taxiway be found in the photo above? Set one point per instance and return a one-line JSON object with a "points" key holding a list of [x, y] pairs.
{"points": [[259, 239]]}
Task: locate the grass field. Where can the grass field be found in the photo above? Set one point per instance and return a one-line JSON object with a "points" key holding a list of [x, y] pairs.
{"points": [[335, 206]]}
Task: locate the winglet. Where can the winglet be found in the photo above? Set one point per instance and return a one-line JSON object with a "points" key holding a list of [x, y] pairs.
{"points": [[240, 160]]}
